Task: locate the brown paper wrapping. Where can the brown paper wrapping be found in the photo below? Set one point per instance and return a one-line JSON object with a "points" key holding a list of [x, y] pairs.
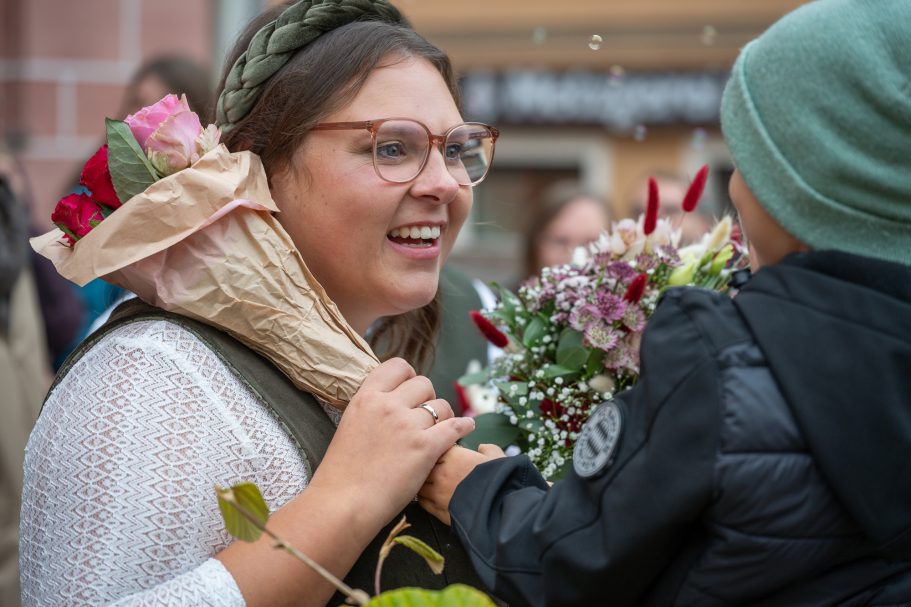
{"points": [[203, 243]]}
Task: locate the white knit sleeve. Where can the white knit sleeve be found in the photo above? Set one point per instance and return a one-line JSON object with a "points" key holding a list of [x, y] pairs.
{"points": [[118, 502]]}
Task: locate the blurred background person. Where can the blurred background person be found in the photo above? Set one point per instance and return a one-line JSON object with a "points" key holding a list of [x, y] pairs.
{"points": [[169, 74], [567, 217], [24, 376], [672, 187], [61, 311]]}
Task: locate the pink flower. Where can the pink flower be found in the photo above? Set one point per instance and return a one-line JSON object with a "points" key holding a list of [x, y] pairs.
{"points": [[610, 306], [602, 336], [171, 135], [76, 215], [172, 147], [582, 316], [147, 120]]}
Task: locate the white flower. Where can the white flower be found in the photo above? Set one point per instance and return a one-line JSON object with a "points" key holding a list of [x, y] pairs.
{"points": [[720, 235], [481, 399], [580, 257]]}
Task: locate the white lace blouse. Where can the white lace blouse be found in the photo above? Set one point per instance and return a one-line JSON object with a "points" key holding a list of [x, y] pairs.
{"points": [[118, 502]]}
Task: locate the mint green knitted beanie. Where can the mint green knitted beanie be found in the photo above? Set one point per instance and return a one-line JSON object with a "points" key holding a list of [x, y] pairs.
{"points": [[817, 115]]}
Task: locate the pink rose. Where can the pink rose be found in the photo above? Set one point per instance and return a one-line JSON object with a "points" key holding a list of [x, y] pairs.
{"points": [[172, 146], [76, 215], [147, 120], [97, 178]]}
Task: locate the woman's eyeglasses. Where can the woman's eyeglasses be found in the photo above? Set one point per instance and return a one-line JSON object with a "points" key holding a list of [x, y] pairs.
{"points": [[401, 147]]}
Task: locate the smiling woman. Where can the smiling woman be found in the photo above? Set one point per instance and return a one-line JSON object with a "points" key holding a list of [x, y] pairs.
{"points": [[356, 119], [341, 212]]}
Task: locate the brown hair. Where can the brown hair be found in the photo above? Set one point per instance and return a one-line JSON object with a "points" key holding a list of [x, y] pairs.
{"points": [[179, 75], [319, 79], [555, 198]]}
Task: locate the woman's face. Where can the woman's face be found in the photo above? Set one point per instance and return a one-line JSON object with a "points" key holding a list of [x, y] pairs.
{"points": [[346, 221], [578, 223], [768, 242]]}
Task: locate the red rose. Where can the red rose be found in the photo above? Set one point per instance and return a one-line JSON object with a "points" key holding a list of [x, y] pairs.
{"points": [[96, 176], [76, 215]]}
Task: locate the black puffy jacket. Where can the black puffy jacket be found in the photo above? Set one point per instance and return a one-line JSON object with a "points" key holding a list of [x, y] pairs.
{"points": [[764, 458]]}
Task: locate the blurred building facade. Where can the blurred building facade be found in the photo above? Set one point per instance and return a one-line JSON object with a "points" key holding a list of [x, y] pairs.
{"points": [[603, 91]]}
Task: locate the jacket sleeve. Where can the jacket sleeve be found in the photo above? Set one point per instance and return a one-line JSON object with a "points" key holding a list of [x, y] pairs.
{"points": [[605, 539]]}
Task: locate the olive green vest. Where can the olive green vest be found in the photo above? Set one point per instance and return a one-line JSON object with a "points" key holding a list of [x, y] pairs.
{"points": [[311, 430]]}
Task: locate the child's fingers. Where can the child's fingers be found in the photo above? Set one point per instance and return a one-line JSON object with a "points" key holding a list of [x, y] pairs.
{"points": [[491, 451]]}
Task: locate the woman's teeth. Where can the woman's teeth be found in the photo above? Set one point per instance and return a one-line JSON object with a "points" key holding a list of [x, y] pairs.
{"points": [[416, 232]]}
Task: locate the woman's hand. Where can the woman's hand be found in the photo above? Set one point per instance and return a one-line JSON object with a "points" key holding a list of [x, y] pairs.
{"points": [[453, 467], [385, 446], [386, 443]]}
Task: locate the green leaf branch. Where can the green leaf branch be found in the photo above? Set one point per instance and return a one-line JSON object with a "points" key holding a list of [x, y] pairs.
{"points": [[245, 513], [434, 559]]}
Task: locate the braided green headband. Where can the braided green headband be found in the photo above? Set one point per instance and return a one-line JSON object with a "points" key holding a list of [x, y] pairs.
{"points": [[274, 44]]}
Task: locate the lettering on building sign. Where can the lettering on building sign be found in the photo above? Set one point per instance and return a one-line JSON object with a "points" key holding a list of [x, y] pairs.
{"points": [[577, 97]]}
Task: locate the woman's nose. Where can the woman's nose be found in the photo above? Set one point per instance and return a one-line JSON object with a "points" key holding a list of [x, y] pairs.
{"points": [[435, 183]]}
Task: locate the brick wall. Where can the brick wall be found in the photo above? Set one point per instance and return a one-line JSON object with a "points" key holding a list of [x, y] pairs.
{"points": [[64, 66]]}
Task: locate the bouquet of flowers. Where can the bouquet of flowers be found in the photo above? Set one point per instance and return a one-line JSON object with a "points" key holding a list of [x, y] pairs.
{"points": [[174, 217], [571, 335]]}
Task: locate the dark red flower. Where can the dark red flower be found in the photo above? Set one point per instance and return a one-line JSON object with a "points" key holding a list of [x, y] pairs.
{"points": [[551, 408], [636, 288], [694, 193], [493, 335], [462, 397], [97, 178], [651, 207], [76, 215]]}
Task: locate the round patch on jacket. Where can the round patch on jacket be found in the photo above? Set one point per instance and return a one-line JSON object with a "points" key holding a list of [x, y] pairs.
{"points": [[596, 445]]}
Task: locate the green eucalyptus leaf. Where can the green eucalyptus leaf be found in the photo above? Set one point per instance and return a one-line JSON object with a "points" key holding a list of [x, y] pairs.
{"points": [[534, 331], [595, 362], [506, 389], [570, 348], [456, 595], [509, 300], [131, 172], [470, 379], [434, 559], [551, 371], [531, 425], [492, 428], [248, 497]]}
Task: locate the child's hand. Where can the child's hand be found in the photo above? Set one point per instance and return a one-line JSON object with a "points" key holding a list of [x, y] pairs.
{"points": [[452, 468]]}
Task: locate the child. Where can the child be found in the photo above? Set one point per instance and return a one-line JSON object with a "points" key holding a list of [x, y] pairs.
{"points": [[764, 457]]}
